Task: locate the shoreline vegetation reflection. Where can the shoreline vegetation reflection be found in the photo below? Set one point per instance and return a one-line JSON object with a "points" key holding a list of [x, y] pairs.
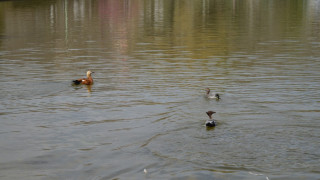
{"points": [[191, 27]]}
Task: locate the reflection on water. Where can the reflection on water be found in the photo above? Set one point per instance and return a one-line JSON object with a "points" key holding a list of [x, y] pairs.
{"points": [[146, 110]]}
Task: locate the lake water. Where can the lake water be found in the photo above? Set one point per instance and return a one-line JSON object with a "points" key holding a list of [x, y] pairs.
{"points": [[153, 60]]}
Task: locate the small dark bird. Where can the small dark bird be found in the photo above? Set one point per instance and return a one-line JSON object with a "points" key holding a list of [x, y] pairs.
{"points": [[210, 122], [86, 81], [212, 96]]}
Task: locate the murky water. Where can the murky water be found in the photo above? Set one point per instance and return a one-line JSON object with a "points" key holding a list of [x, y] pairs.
{"points": [[146, 110]]}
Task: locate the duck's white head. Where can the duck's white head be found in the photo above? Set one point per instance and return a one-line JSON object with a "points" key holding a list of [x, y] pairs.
{"points": [[89, 73]]}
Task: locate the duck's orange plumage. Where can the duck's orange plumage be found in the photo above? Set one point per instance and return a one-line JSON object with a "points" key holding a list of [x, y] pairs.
{"points": [[86, 81]]}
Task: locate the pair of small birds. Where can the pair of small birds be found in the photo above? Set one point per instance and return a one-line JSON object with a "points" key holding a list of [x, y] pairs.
{"points": [[209, 123]]}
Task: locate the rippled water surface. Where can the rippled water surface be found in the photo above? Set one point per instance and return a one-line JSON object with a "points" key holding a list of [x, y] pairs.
{"points": [[153, 60]]}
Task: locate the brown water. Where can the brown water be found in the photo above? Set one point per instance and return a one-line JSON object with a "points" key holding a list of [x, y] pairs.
{"points": [[152, 61]]}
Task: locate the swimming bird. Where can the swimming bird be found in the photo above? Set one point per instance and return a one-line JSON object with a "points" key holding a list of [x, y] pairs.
{"points": [[210, 122], [86, 81], [212, 96]]}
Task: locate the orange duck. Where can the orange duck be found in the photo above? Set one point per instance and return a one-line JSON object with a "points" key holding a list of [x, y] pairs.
{"points": [[86, 81]]}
